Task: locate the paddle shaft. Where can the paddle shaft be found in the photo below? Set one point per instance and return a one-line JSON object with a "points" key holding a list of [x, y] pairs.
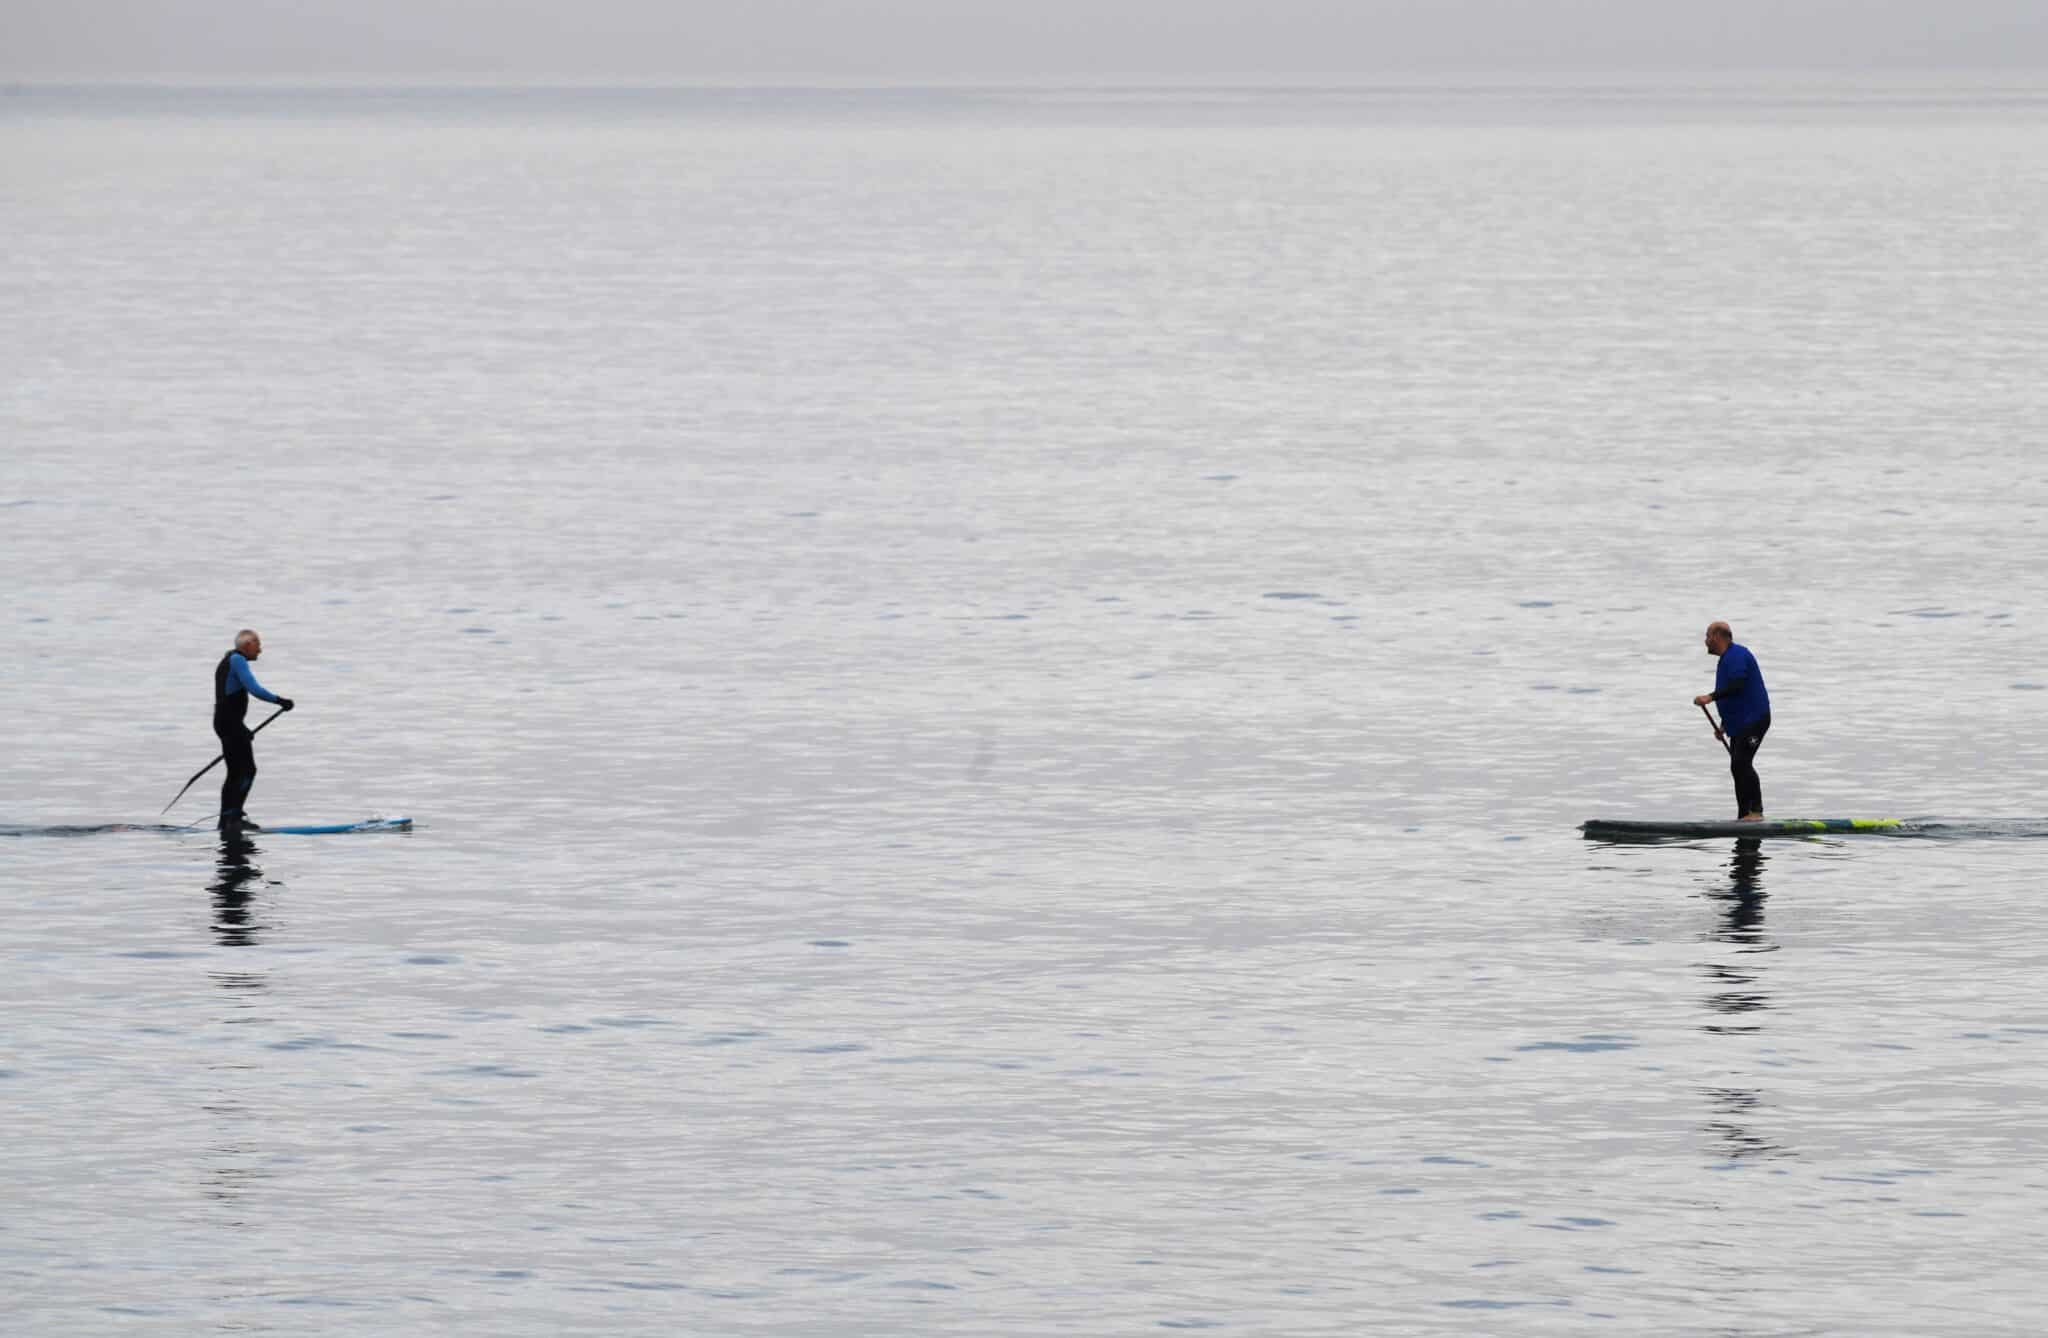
{"points": [[1703, 711], [222, 758]]}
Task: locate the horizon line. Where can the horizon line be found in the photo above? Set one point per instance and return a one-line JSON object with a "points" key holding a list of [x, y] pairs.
{"points": [[1434, 79]]}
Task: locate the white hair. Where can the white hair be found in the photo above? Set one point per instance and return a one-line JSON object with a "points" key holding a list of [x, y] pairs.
{"points": [[244, 637]]}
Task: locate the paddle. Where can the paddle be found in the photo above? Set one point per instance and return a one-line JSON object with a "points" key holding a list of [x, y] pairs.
{"points": [[1703, 711], [218, 760]]}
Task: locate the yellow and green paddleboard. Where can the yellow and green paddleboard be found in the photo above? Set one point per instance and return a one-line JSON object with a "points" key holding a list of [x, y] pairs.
{"points": [[1616, 829]]}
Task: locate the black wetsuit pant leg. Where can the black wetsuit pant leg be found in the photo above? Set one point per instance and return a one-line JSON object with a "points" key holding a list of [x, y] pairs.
{"points": [[1749, 791], [235, 745]]}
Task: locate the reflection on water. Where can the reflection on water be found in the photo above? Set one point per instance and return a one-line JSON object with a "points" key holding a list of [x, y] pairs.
{"points": [[236, 878], [1742, 927], [1738, 998], [234, 1164], [1734, 1109], [1745, 896]]}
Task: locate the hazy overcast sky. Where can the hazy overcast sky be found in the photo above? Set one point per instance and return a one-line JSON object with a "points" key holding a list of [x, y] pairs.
{"points": [[967, 39]]}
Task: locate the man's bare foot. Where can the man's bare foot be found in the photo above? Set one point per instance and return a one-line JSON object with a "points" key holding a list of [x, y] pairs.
{"points": [[1751, 817]]}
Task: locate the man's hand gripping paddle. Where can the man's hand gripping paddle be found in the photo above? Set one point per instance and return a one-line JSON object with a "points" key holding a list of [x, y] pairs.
{"points": [[223, 757], [1703, 711]]}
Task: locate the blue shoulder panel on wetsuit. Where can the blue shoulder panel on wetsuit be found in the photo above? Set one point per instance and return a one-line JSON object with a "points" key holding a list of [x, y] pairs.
{"points": [[241, 676]]}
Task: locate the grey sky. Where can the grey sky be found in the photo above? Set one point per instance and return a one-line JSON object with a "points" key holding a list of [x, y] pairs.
{"points": [[965, 39]]}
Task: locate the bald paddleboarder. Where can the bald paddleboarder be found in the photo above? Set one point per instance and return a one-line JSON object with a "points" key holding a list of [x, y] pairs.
{"points": [[233, 684], [1745, 715]]}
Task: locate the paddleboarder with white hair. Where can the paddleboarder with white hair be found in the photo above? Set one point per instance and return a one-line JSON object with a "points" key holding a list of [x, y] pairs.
{"points": [[1745, 715], [233, 684]]}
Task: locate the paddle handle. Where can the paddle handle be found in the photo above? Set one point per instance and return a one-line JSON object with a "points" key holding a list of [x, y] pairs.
{"points": [[1703, 711]]}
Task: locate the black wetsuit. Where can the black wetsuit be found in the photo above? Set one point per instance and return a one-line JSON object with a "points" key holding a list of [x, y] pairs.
{"points": [[230, 711], [1749, 791]]}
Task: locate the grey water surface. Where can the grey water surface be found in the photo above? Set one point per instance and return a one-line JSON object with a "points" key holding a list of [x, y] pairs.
{"points": [[996, 688]]}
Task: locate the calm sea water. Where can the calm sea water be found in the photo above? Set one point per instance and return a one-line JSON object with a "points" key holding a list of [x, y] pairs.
{"points": [[996, 688]]}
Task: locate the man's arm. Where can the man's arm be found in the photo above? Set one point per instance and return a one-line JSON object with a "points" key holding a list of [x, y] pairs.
{"points": [[240, 671], [1735, 686]]}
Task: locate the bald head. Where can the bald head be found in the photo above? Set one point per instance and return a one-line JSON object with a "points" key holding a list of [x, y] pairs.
{"points": [[1720, 637]]}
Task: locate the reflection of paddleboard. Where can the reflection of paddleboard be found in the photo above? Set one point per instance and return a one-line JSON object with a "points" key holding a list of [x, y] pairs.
{"points": [[1615, 829], [366, 825]]}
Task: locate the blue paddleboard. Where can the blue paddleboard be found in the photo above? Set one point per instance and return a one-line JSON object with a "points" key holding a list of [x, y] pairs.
{"points": [[329, 829]]}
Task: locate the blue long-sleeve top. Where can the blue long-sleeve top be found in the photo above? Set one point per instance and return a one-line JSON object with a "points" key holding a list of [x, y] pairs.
{"points": [[1739, 690], [241, 678]]}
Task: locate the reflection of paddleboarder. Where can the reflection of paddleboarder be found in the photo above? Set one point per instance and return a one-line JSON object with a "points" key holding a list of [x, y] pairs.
{"points": [[1745, 715], [233, 684], [232, 890]]}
